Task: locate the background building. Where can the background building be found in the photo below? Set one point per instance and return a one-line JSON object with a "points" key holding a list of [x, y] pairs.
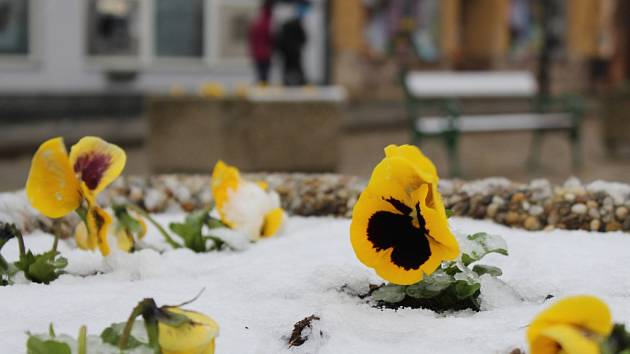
{"points": [[100, 46]]}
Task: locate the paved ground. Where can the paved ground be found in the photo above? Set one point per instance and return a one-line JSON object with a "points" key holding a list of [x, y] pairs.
{"points": [[482, 155]]}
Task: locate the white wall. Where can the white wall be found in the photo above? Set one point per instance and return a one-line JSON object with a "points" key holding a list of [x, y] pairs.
{"points": [[58, 62]]}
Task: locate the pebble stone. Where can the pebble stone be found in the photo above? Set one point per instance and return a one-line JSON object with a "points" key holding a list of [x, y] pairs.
{"points": [[538, 205]]}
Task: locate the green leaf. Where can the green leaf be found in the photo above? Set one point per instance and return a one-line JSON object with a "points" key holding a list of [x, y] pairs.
{"points": [[431, 286], [465, 290], [125, 220], [111, 335], [481, 244], [213, 223], [390, 293], [190, 231], [51, 330], [170, 318], [37, 345], [482, 269], [420, 291], [41, 268]]}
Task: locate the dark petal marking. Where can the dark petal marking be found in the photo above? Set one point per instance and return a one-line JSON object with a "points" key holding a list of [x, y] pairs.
{"points": [[390, 230], [91, 167], [99, 221], [400, 206]]}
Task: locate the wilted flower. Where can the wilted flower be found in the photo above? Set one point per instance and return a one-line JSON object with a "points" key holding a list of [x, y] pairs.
{"points": [[575, 325], [172, 329], [399, 224], [59, 183], [245, 206], [196, 336]]}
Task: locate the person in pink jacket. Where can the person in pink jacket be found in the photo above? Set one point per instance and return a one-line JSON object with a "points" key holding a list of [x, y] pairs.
{"points": [[261, 42]]}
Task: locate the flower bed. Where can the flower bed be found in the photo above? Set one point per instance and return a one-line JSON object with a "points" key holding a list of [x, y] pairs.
{"points": [[400, 229], [257, 295]]}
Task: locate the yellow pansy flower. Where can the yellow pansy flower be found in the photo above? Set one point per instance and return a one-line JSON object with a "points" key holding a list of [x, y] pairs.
{"points": [[245, 206], [197, 337], [399, 225], [575, 325], [60, 183]]}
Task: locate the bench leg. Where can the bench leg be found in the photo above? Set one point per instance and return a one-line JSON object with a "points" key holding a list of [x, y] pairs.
{"points": [[576, 148], [451, 140], [533, 161]]}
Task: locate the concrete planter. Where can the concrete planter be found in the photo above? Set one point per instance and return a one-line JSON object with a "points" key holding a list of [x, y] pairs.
{"points": [[267, 131]]}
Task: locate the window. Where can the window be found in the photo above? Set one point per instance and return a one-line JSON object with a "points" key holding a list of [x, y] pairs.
{"points": [[113, 28], [234, 21], [14, 27], [179, 28]]}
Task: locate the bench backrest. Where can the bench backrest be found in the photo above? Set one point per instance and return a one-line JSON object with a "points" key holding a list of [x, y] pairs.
{"points": [[453, 84]]}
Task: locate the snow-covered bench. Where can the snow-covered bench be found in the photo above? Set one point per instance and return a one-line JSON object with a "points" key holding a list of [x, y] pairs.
{"points": [[443, 90]]}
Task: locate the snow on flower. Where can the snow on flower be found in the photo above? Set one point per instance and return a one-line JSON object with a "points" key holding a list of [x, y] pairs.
{"points": [[575, 325], [399, 224], [59, 183], [245, 206]]}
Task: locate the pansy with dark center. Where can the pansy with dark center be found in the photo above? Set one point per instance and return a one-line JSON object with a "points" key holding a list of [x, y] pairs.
{"points": [[60, 183], [399, 226], [91, 167], [391, 230]]}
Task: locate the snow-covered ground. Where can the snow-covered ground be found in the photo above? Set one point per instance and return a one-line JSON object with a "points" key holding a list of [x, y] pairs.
{"points": [[257, 294]]}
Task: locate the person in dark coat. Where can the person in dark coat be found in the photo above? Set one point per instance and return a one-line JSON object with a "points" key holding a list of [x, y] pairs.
{"points": [[290, 42], [261, 42]]}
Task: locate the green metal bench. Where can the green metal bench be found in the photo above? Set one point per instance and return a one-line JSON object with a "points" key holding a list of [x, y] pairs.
{"points": [[443, 92]]}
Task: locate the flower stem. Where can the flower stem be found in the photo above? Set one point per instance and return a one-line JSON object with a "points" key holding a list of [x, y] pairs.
{"points": [[83, 340], [4, 265], [162, 231], [21, 246], [55, 243], [142, 307]]}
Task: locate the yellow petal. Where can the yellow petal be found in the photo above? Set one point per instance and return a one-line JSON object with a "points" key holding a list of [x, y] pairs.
{"points": [[434, 214], [368, 204], [143, 228], [52, 187], [96, 162], [98, 222], [188, 338], [273, 222], [414, 156], [563, 338], [395, 177], [82, 239], [124, 241], [262, 184], [586, 312], [396, 274], [224, 179]]}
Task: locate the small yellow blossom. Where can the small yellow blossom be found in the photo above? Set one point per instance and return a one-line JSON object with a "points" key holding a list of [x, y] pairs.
{"points": [[245, 206], [197, 337], [60, 183], [575, 325], [212, 89], [399, 225]]}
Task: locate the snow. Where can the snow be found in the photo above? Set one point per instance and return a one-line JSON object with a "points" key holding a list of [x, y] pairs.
{"points": [[247, 206], [618, 191], [256, 295]]}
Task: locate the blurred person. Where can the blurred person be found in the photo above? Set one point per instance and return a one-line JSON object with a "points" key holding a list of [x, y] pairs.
{"points": [[290, 41], [261, 42]]}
